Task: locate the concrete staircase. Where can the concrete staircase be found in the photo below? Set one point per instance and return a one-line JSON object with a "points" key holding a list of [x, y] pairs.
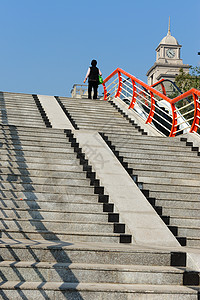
{"points": [[46, 175], [20, 109], [101, 116], [167, 169], [60, 235], [168, 172]]}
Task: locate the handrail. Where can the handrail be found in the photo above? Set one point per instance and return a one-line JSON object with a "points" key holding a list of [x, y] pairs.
{"points": [[157, 111], [162, 81], [78, 90], [162, 84], [136, 80]]}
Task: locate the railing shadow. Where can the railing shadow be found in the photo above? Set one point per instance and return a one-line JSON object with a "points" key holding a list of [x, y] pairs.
{"points": [[13, 156]]}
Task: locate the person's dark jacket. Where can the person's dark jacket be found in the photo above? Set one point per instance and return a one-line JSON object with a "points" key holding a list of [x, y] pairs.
{"points": [[94, 74]]}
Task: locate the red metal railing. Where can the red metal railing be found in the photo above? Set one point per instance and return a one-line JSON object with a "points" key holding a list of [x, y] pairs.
{"points": [[162, 85], [150, 100]]}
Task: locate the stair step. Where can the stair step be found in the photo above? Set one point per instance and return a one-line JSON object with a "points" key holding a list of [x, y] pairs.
{"points": [[189, 231], [63, 153], [48, 147], [39, 162], [193, 242], [48, 184], [18, 122], [50, 196], [25, 174], [172, 188], [101, 273], [159, 154], [60, 140], [97, 291], [185, 221], [54, 204], [60, 251], [176, 195], [166, 169], [43, 197], [167, 174], [130, 148], [22, 190], [147, 143], [29, 181], [40, 214], [41, 224], [169, 181], [37, 156], [183, 163], [181, 212], [58, 235], [178, 203]]}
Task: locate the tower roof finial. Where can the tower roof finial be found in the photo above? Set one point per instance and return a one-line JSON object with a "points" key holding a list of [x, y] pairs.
{"points": [[169, 32]]}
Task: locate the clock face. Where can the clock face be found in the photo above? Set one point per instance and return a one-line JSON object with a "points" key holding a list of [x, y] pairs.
{"points": [[170, 53]]}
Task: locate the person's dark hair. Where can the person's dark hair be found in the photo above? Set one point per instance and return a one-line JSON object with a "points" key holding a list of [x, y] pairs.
{"points": [[94, 63]]}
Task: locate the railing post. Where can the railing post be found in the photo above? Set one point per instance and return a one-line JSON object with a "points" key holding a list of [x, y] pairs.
{"points": [[74, 92], [134, 95], [119, 85], [81, 91], [194, 126], [105, 91], [163, 89], [152, 110], [174, 120]]}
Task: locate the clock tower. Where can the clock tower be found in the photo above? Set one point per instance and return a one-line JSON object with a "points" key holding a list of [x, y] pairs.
{"points": [[168, 61]]}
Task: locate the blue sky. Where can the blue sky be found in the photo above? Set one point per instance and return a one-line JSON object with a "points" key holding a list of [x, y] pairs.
{"points": [[47, 46]]}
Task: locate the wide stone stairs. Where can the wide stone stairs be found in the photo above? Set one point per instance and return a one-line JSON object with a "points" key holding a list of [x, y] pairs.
{"points": [[169, 172], [46, 168], [97, 115], [60, 238], [20, 109], [167, 169]]}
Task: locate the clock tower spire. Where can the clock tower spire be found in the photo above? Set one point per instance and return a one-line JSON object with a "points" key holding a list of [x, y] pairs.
{"points": [[169, 32], [168, 61]]}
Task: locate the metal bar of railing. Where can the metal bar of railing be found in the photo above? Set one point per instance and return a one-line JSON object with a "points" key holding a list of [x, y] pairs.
{"points": [[112, 82], [149, 91], [165, 106], [127, 85], [164, 119], [162, 125], [112, 88], [156, 113], [128, 91], [186, 113], [111, 93], [161, 110], [123, 94], [167, 121], [178, 109], [176, 131], [187, 120]]}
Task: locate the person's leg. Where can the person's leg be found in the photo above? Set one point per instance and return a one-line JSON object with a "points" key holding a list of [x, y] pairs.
{"points": [[95, 87], [89, 90]]}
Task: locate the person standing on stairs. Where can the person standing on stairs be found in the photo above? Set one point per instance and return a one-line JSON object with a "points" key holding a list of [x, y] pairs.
{"points": [[93, 79]]}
